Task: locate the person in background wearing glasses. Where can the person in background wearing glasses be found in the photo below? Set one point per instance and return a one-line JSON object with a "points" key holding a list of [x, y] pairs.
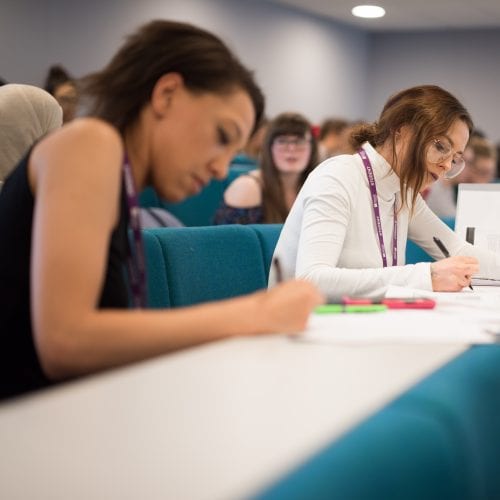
{"points": [[348, 229], [483, 167], [266, 195], [480, 167]]}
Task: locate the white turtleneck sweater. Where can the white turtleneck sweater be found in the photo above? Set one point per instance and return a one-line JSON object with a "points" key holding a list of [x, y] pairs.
{"points": [[330, 239]]}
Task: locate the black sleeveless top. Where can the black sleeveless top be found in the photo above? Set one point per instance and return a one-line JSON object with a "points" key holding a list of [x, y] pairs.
{"points": [[20, 369]]}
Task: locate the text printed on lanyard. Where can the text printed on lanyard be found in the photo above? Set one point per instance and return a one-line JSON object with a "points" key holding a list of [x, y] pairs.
{"points": [[376, 212]]}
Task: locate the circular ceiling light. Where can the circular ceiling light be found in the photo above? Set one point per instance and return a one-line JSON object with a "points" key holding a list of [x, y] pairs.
{"points": [[368, 11]]}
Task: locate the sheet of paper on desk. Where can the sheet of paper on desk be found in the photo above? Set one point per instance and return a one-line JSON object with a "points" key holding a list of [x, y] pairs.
{"points": [[485, 282], [399, 326]]}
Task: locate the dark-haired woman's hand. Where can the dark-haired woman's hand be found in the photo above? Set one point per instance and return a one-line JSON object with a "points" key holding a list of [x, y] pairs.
{"points": [[286, 307]]}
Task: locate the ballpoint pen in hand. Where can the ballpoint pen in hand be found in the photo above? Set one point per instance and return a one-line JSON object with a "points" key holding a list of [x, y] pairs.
{"points": [[444, 251], [277, 270]]}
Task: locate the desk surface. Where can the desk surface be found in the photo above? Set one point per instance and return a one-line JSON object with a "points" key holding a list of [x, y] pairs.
{"points": [[214, 422]]}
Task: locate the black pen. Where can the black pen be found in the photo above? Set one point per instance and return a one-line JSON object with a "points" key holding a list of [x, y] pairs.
{"points": [[444, 251], [277, 270]]}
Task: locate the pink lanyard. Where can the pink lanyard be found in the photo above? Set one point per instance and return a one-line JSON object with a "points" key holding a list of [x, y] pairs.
{"points": [[376, 213], [136, 261]]}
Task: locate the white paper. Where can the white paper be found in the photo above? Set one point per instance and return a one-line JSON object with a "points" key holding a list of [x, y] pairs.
{"points": [[467, 317]]}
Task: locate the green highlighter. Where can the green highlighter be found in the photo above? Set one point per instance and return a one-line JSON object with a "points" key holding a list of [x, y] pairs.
{"points": [[349, 308]]}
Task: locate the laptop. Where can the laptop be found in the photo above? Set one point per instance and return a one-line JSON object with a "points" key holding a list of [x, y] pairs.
{"points": [[478, 218]]}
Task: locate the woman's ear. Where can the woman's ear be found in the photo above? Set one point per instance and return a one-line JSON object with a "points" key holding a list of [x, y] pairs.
{"points": [[164, 91]]}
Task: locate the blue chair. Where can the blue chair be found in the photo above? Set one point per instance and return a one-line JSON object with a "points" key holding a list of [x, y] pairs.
{"points": [[464, 395], [415, 254], [210, 263], [393, 455], [156, 275], [268, 235]]}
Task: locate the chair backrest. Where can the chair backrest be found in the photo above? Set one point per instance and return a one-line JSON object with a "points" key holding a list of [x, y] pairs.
{"points": [[190, 265], [203, 264], [156, 274], [268, 235]]}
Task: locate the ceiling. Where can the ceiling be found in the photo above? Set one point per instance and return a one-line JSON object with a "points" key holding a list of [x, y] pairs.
{"points": [[407, 14]]}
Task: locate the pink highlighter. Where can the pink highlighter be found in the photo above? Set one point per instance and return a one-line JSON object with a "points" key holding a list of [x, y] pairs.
{"points": [[403, 303]]}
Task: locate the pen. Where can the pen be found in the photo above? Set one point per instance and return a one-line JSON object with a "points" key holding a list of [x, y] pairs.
{"points": [[277, 270], [444, 251], [441, 247]]}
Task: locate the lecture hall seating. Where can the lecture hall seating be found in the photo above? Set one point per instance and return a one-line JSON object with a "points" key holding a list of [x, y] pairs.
{"points": [[438, 440]]}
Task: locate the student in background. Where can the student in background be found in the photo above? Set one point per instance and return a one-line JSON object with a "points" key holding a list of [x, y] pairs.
{"points": [[63, 87], [250, 155], [170, 109], [480, 167], [267, 194], [347, 231], [334, 138], [483, 167], [27, 114]]}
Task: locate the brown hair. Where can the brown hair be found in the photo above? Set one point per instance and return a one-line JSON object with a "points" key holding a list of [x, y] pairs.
{"points": [[335, 125], [119, 92], [429, 111], [273, 196], [483, 148]]}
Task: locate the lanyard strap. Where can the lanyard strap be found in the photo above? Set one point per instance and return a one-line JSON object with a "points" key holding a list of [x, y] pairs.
{"points": [[136, 263], [376, 213]]}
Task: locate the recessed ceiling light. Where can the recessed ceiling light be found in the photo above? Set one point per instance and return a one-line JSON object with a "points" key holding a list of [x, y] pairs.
{"points": [[368, 11]]}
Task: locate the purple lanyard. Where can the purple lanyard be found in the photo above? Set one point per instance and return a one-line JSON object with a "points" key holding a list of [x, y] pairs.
{"points": [[376, 213], [136, 262]]}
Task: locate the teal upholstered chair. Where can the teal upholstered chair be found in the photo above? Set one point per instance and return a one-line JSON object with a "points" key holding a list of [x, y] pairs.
{"points": [[415, 254], [464, 395], [268, 235], [158, 295], [210, 263], [393, 455]]}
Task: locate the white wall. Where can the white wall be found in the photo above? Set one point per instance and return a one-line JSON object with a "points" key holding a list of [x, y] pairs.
{"points": [[302, 62], [465, 62]]}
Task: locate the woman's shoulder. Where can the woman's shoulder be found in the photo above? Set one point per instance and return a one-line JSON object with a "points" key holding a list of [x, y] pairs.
{"points": [[342, 169], [92, 129], [83, 138], [89, 145], [245, 191]]}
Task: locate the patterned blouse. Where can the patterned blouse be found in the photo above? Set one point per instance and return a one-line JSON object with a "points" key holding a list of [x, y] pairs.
{"points": [[227, 214], [231, 215]]}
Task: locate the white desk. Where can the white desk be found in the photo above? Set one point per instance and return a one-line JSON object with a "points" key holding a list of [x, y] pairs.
{"points": [[215, 422]]}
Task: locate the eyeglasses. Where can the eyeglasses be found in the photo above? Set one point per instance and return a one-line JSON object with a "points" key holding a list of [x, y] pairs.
{"points": [[440, 151], [283, 142]]}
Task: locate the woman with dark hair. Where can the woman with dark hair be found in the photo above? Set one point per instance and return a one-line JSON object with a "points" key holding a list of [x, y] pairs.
{"points": [[63, 87], [347, 232], [170, 110], [266, 195]]}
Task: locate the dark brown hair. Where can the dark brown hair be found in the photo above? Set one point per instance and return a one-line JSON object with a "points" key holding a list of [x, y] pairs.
{"points": [[57, 75], [429, 111], [332, 125], [119, 92], [273, 196]]}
